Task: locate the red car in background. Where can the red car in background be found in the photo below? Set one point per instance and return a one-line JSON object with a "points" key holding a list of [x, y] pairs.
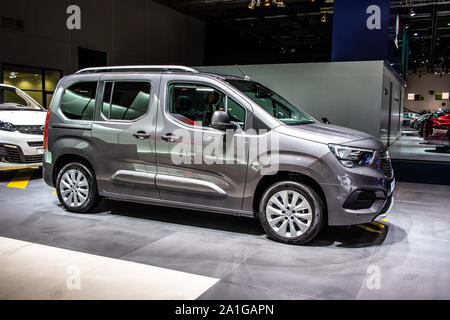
{"points": [[436, 130]]}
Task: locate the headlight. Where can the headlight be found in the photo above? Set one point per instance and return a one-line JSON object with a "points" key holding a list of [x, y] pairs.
{"points": [[352, 157], [6, 126]]}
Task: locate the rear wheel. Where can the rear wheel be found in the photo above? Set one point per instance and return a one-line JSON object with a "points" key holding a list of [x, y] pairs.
{"points": [[291, 212], [76, 188]]}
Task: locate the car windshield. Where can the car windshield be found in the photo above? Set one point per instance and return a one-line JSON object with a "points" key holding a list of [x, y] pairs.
{"points": [[11, 100], [271, 102]]}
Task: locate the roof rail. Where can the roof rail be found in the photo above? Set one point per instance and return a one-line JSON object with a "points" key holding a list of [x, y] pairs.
{"points": [[137, 68]]}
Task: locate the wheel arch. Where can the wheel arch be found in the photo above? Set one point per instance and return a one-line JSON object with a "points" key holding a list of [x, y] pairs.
{"points": [[267, 181], [66, 159]]}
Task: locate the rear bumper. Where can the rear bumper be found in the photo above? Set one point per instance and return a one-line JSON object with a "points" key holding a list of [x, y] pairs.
{"points": [[47, 173]]}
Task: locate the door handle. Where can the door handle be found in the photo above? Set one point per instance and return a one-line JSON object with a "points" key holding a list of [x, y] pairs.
{"points": [[171, 138], [141, 135]]}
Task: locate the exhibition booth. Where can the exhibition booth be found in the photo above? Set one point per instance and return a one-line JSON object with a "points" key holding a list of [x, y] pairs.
{"points": [[224, 151]]}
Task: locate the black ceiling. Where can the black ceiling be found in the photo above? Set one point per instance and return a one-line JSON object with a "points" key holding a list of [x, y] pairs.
{"points": [[297, 32], [428, 33]]}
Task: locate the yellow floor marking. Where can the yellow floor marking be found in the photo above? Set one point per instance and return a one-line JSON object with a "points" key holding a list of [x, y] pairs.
{"points": [[369, 229], [20, 181], [384, 220], [54, 191], [378, 224]]}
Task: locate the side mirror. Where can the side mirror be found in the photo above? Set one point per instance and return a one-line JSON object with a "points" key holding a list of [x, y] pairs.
{"points": [[326, 121], [221, 121]]}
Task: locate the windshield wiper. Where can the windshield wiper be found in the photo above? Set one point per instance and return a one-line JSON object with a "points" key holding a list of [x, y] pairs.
{"points": [[299, 123]]}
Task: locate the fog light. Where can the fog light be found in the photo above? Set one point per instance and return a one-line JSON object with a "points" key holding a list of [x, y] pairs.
{"points": [[10, 146], [361, 199]]}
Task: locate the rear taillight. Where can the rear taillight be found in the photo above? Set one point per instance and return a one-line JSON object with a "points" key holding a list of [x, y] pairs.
{"points": [[46, 129]]}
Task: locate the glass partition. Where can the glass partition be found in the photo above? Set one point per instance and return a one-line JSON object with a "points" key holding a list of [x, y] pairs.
{"points": [[38, 83]]}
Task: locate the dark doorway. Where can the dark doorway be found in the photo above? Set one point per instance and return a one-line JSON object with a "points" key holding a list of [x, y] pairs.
{"points": [[90, 58]]}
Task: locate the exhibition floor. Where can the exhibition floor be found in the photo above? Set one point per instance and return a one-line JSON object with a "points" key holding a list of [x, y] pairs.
{"points": [[411, 147], [127, 250]]}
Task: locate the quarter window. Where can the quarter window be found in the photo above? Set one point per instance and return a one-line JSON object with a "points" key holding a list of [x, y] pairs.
{"points": [[78, 101], [236, 113], [125, 100]]}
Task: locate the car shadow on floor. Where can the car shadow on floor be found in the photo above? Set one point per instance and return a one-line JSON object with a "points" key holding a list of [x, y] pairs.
{"points": [[347, 237], [7, 176]]}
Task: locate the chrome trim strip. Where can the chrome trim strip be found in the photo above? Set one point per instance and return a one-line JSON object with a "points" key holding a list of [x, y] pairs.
{"points": [[133, 177], [168, 182]]}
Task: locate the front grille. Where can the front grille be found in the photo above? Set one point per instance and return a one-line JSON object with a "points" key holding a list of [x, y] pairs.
{"points": [[36, 130], [14, 154], [34, 159], [36, 144], [386, 164], [11, 154]]}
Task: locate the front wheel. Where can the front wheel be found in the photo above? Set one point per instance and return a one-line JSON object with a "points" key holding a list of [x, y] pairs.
{"points": [[76, 188], [291, 212]]}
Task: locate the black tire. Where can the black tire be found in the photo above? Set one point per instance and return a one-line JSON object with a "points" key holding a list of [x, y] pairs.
{"points": [[93, 198], [315, 202]]}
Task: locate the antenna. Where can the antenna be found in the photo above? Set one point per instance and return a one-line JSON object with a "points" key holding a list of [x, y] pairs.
{"points": [[246, 77]]}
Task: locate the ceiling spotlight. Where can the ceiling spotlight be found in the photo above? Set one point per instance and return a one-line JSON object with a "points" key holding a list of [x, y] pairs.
{"points": [[267, 3], [412, 13], [416, 34], [253, 4], [406, 26]]}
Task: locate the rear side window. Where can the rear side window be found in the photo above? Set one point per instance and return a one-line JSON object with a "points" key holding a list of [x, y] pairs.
{"points": [[125, 100], [78, 101]]}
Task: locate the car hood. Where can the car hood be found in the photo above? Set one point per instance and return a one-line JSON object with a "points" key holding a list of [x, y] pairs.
{"points": [[24, 118], [326, 133]]}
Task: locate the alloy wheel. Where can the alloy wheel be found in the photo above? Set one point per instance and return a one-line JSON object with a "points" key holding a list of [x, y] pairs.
{"points": [[74, 188], [289, 213]]}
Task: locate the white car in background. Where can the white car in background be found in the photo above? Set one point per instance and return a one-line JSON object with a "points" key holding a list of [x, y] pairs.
{"points": [[22, 122]]}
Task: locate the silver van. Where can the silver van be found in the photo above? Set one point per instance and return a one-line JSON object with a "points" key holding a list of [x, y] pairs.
{"points": [[171, 136]]}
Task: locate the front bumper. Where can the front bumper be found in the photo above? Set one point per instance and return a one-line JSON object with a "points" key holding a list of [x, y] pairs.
{"points": [[386, 210], [338, 195], [20, 151], [15, 166]]}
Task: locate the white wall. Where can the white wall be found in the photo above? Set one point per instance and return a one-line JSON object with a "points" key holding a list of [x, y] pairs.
{"points": [[391, 106], [422, 85], [130, 31], [347, 93]]}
